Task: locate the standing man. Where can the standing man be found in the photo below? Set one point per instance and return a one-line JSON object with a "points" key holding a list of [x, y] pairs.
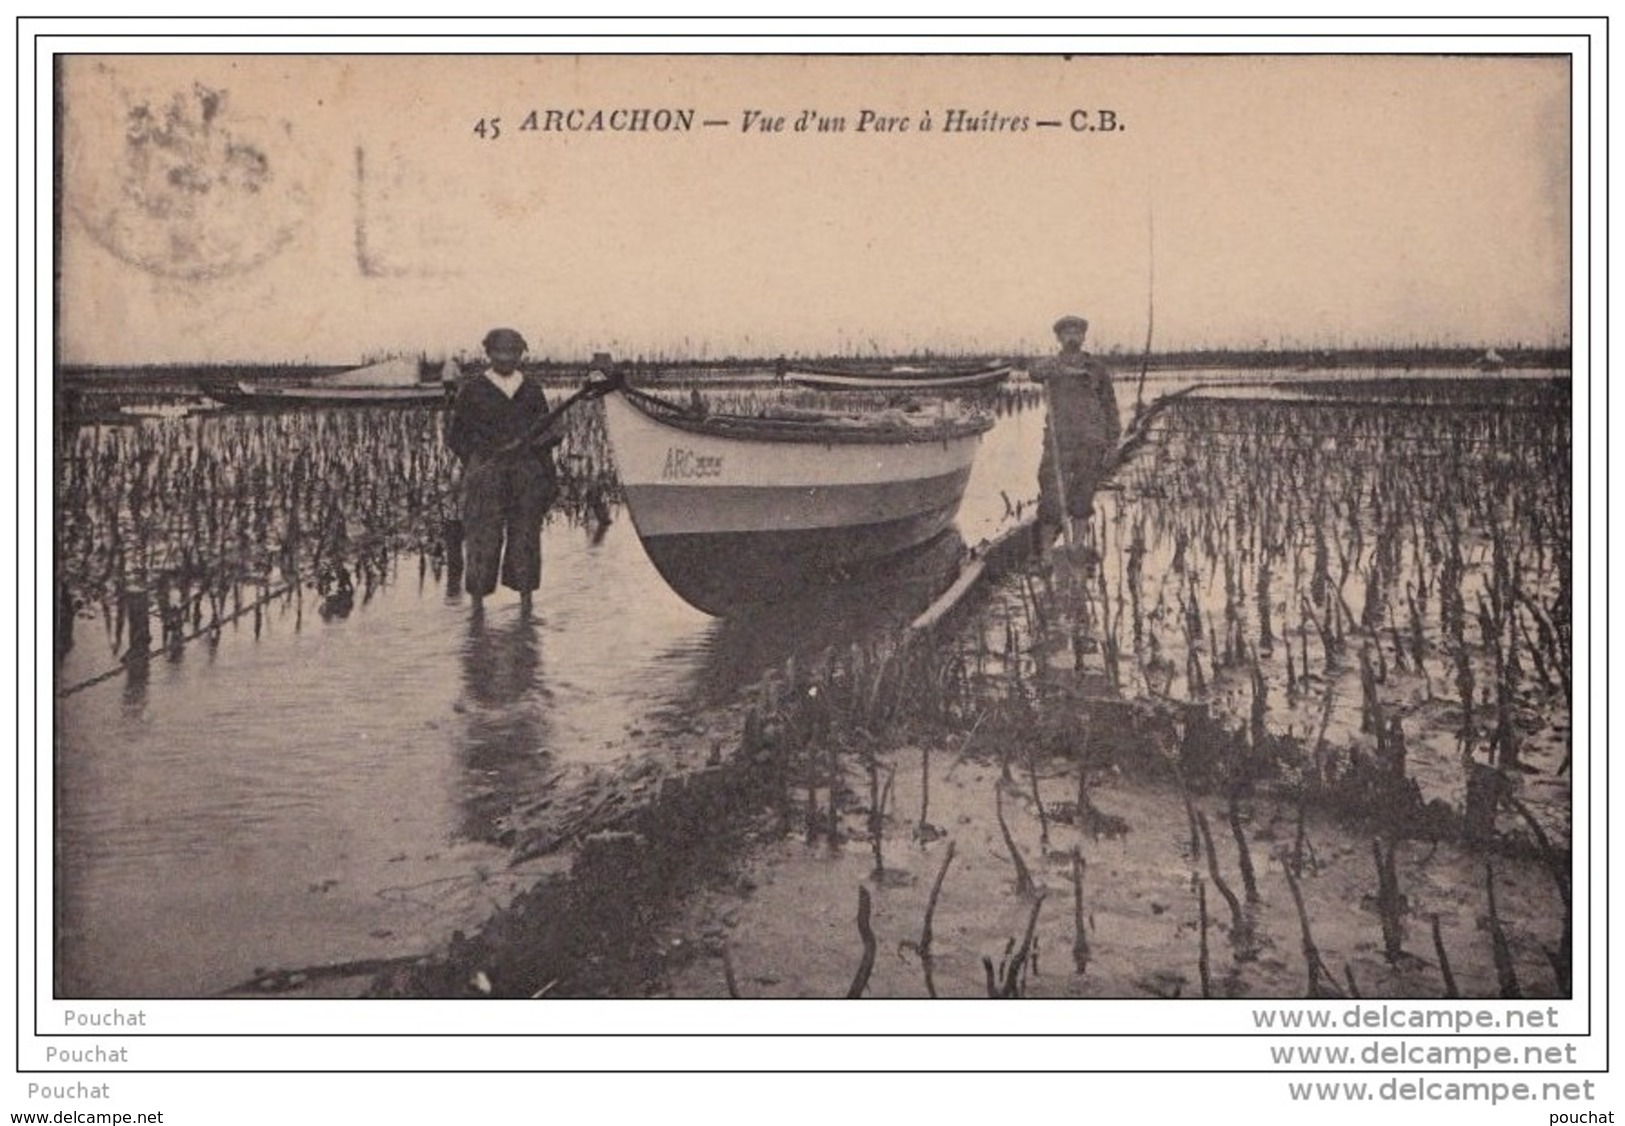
{"points": [[509, 479], [1081, 430]]}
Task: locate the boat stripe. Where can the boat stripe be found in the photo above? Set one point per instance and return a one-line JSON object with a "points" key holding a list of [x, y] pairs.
{"points": [[664, 510]]}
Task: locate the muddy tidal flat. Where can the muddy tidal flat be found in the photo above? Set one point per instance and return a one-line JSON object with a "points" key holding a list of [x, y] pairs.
{"points": [[1291, 716]]}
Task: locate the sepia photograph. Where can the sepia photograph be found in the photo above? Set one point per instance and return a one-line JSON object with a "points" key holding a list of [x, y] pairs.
{"points": [[631, 526]]}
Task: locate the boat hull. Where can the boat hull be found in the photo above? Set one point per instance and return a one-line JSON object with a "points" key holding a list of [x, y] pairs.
{"points": [[733, 522], [898, 379], [243, 394], [724, 572]]}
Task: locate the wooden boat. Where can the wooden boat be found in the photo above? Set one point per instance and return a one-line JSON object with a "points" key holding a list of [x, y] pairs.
{"points": [[738, 511], [899, 377], [163, 411], [242, 393], [395, 382]]}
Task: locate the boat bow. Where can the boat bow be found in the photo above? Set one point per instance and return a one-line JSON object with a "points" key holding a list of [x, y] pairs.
{"points": [[738, 510]]}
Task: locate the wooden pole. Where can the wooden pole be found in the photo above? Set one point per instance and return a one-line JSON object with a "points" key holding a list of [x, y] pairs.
{"points": [[1060, 475], [1150, 307]]}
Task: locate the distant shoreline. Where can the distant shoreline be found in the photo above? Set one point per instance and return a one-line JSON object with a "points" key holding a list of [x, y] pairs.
{"points": [[1401, 359]]}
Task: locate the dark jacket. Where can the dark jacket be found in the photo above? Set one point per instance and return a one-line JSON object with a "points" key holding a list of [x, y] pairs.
{"points": [[509, 482], [1082, 404], [484, 420], [1081, 428]]}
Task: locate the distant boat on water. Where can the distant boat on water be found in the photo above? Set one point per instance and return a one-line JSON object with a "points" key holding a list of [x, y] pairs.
{"points": [[898, 377], [162, 410], [1491, 361], [394, 382]]}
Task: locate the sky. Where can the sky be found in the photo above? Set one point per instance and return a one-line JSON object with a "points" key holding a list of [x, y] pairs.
{"points": [[337, 208]]}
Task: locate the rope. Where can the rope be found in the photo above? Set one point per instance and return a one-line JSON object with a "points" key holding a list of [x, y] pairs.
{"points": [[215, 623], [365, 543], [158, 651], [657, 404]]}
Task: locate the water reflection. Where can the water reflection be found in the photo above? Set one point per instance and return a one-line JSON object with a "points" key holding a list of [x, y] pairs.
{"points": [[204, 808], [891, 594], [137, 679], [504, 707]]}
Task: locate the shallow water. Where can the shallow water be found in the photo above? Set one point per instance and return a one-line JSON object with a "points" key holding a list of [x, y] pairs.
{"points": [[333, 789], [317, 790]]}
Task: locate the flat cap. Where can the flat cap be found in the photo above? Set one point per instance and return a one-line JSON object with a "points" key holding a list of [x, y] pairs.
{"points": [[504, 338], [1071, 321]]}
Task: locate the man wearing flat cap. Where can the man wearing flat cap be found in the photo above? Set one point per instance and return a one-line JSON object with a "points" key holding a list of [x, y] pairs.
{"points": [[1081, 430], [509, 479]]}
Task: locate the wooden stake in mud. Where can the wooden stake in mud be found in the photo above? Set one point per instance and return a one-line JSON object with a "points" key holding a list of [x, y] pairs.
{"points": [[1389, 901], [1300, 838], [1015, 981], [1009, 981], [1486, 786], [1562, 958], [1249, 882], [1311, 952], [1024, 880], [1450, 990], [1150, 307], [925, 787], [1190, 813], [876, 814], [866, 933], [1203, 960], [1080, 940], [728, 970], [810, 759], [137, 607], [834, 812], [1240, 930], [1502, 949], [1038, 800], [923, 947]]}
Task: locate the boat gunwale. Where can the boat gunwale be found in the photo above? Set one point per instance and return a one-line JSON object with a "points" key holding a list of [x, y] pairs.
{"points": [[822, 431]]}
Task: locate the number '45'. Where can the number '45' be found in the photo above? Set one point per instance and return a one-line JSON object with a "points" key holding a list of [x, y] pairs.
{"points": [[489, 128]]}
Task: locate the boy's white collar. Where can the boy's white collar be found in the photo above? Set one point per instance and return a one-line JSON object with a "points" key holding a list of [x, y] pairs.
{"points": [[507, 384]]}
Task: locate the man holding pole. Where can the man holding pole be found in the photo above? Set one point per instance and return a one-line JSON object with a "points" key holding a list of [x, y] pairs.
{"points": [[499, 430], [1081, 432]]}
